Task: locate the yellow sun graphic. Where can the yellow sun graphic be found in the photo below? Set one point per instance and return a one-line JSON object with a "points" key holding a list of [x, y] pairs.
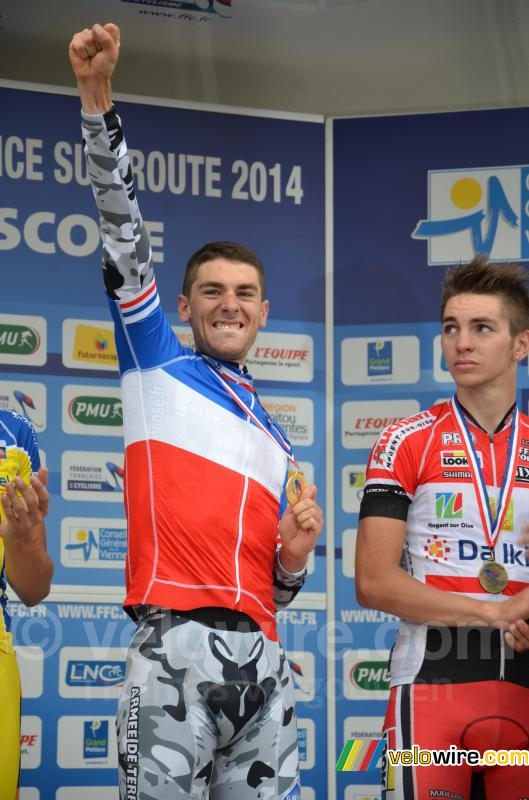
{"points": [[466, 193]]}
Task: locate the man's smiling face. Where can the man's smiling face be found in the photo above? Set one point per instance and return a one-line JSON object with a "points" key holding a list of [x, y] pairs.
{"points": [[225, 309]]}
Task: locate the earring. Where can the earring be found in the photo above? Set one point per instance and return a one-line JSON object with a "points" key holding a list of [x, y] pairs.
{"points": [[516, 356]]}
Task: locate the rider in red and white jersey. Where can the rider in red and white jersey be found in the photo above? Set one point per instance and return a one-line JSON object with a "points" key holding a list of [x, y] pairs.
{"points": [[445, 502]]}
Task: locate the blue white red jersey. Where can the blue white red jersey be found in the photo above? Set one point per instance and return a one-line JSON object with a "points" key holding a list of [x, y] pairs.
{"points": [[204, 473]]}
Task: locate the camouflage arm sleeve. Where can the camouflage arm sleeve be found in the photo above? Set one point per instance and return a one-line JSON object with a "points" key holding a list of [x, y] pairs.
{"points": [[286, 584], [127, 257]]}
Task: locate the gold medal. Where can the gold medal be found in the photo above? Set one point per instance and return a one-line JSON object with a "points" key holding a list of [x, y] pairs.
{"points": [[295, 486], [493, 577]]}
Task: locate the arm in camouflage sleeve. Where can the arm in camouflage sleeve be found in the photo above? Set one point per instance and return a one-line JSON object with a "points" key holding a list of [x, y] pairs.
{"points": [[127, 256], [127, 260], [286, 584]]}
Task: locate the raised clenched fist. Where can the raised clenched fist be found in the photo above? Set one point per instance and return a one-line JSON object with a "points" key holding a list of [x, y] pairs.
{"points": [[94, 52]]}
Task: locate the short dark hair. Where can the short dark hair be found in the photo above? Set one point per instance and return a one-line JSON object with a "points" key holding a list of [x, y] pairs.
{"points": [[480, 276], [231, 251]]}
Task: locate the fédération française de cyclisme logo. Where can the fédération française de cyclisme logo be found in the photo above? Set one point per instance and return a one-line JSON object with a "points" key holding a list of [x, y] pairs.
{"points": [[473, 211]]}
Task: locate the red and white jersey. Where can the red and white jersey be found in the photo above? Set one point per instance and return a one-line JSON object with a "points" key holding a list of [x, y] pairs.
{"points": [[423, 462]]}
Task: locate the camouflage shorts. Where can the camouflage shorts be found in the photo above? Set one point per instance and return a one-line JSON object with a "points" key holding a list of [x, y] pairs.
{"points": [[206, 712]]}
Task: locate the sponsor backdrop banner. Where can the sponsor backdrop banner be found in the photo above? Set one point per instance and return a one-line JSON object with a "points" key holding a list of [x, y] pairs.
{"points": [[411, 195], [72, 663], [201, 176]]}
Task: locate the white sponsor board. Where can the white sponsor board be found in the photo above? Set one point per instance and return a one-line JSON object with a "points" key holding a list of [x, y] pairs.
{"points": [[86, 793], [282, 357], [306, 743], [294, 414], [29, 793], [348, 552], [363, 421], [96, 477], [91, 672], [353, 480], [366, 674], [307, 469], [31, 666], [92, 410], [440, 373], [302, 665], [23, 340], [90, 542], [387, 359], [27, 399], [468, 203], [362, 728], [86, 743], [89, 344], [185, 335], [363, 792], [30, 742]]}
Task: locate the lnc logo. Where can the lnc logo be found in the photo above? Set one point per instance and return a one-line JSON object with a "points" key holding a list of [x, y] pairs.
{"points": [[476, 211], [95, 673]]}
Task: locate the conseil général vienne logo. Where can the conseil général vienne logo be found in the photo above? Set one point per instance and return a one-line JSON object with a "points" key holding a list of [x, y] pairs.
{"points": [[470, 211]]}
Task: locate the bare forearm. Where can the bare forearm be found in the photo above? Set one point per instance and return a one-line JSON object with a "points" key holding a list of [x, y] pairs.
{"points": [[29, 571], [398, 593], [96, 95]]}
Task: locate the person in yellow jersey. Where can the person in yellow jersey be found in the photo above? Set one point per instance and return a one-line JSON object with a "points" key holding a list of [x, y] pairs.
{"points": [[25, 563]]}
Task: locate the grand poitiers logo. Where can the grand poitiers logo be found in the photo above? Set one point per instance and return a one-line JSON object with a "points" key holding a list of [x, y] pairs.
{"points": [[473, 211]]}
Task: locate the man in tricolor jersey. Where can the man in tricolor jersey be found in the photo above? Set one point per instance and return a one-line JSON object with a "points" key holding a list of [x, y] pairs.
{"points": [[208, 703], [439, 545], [25, 563]]}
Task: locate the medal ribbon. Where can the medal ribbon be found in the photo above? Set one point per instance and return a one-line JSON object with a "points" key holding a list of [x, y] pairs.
{"points": [[282, 443], [491, 526]]}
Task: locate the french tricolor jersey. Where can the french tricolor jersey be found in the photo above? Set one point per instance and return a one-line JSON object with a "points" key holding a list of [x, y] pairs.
{"points": [[422, 461], [205, 466], [19, 455]]}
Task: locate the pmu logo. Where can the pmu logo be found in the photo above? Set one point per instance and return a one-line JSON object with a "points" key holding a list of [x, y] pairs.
{"points": [[85, 673], [476, 211], [370, 676], [379, 357], [448, 505], [94, 410], [18, 340]]}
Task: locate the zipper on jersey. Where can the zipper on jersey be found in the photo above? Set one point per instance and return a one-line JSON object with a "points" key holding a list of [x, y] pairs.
{"points": [[495, 486], [494, 473], [239, 541], [240, 531]]}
